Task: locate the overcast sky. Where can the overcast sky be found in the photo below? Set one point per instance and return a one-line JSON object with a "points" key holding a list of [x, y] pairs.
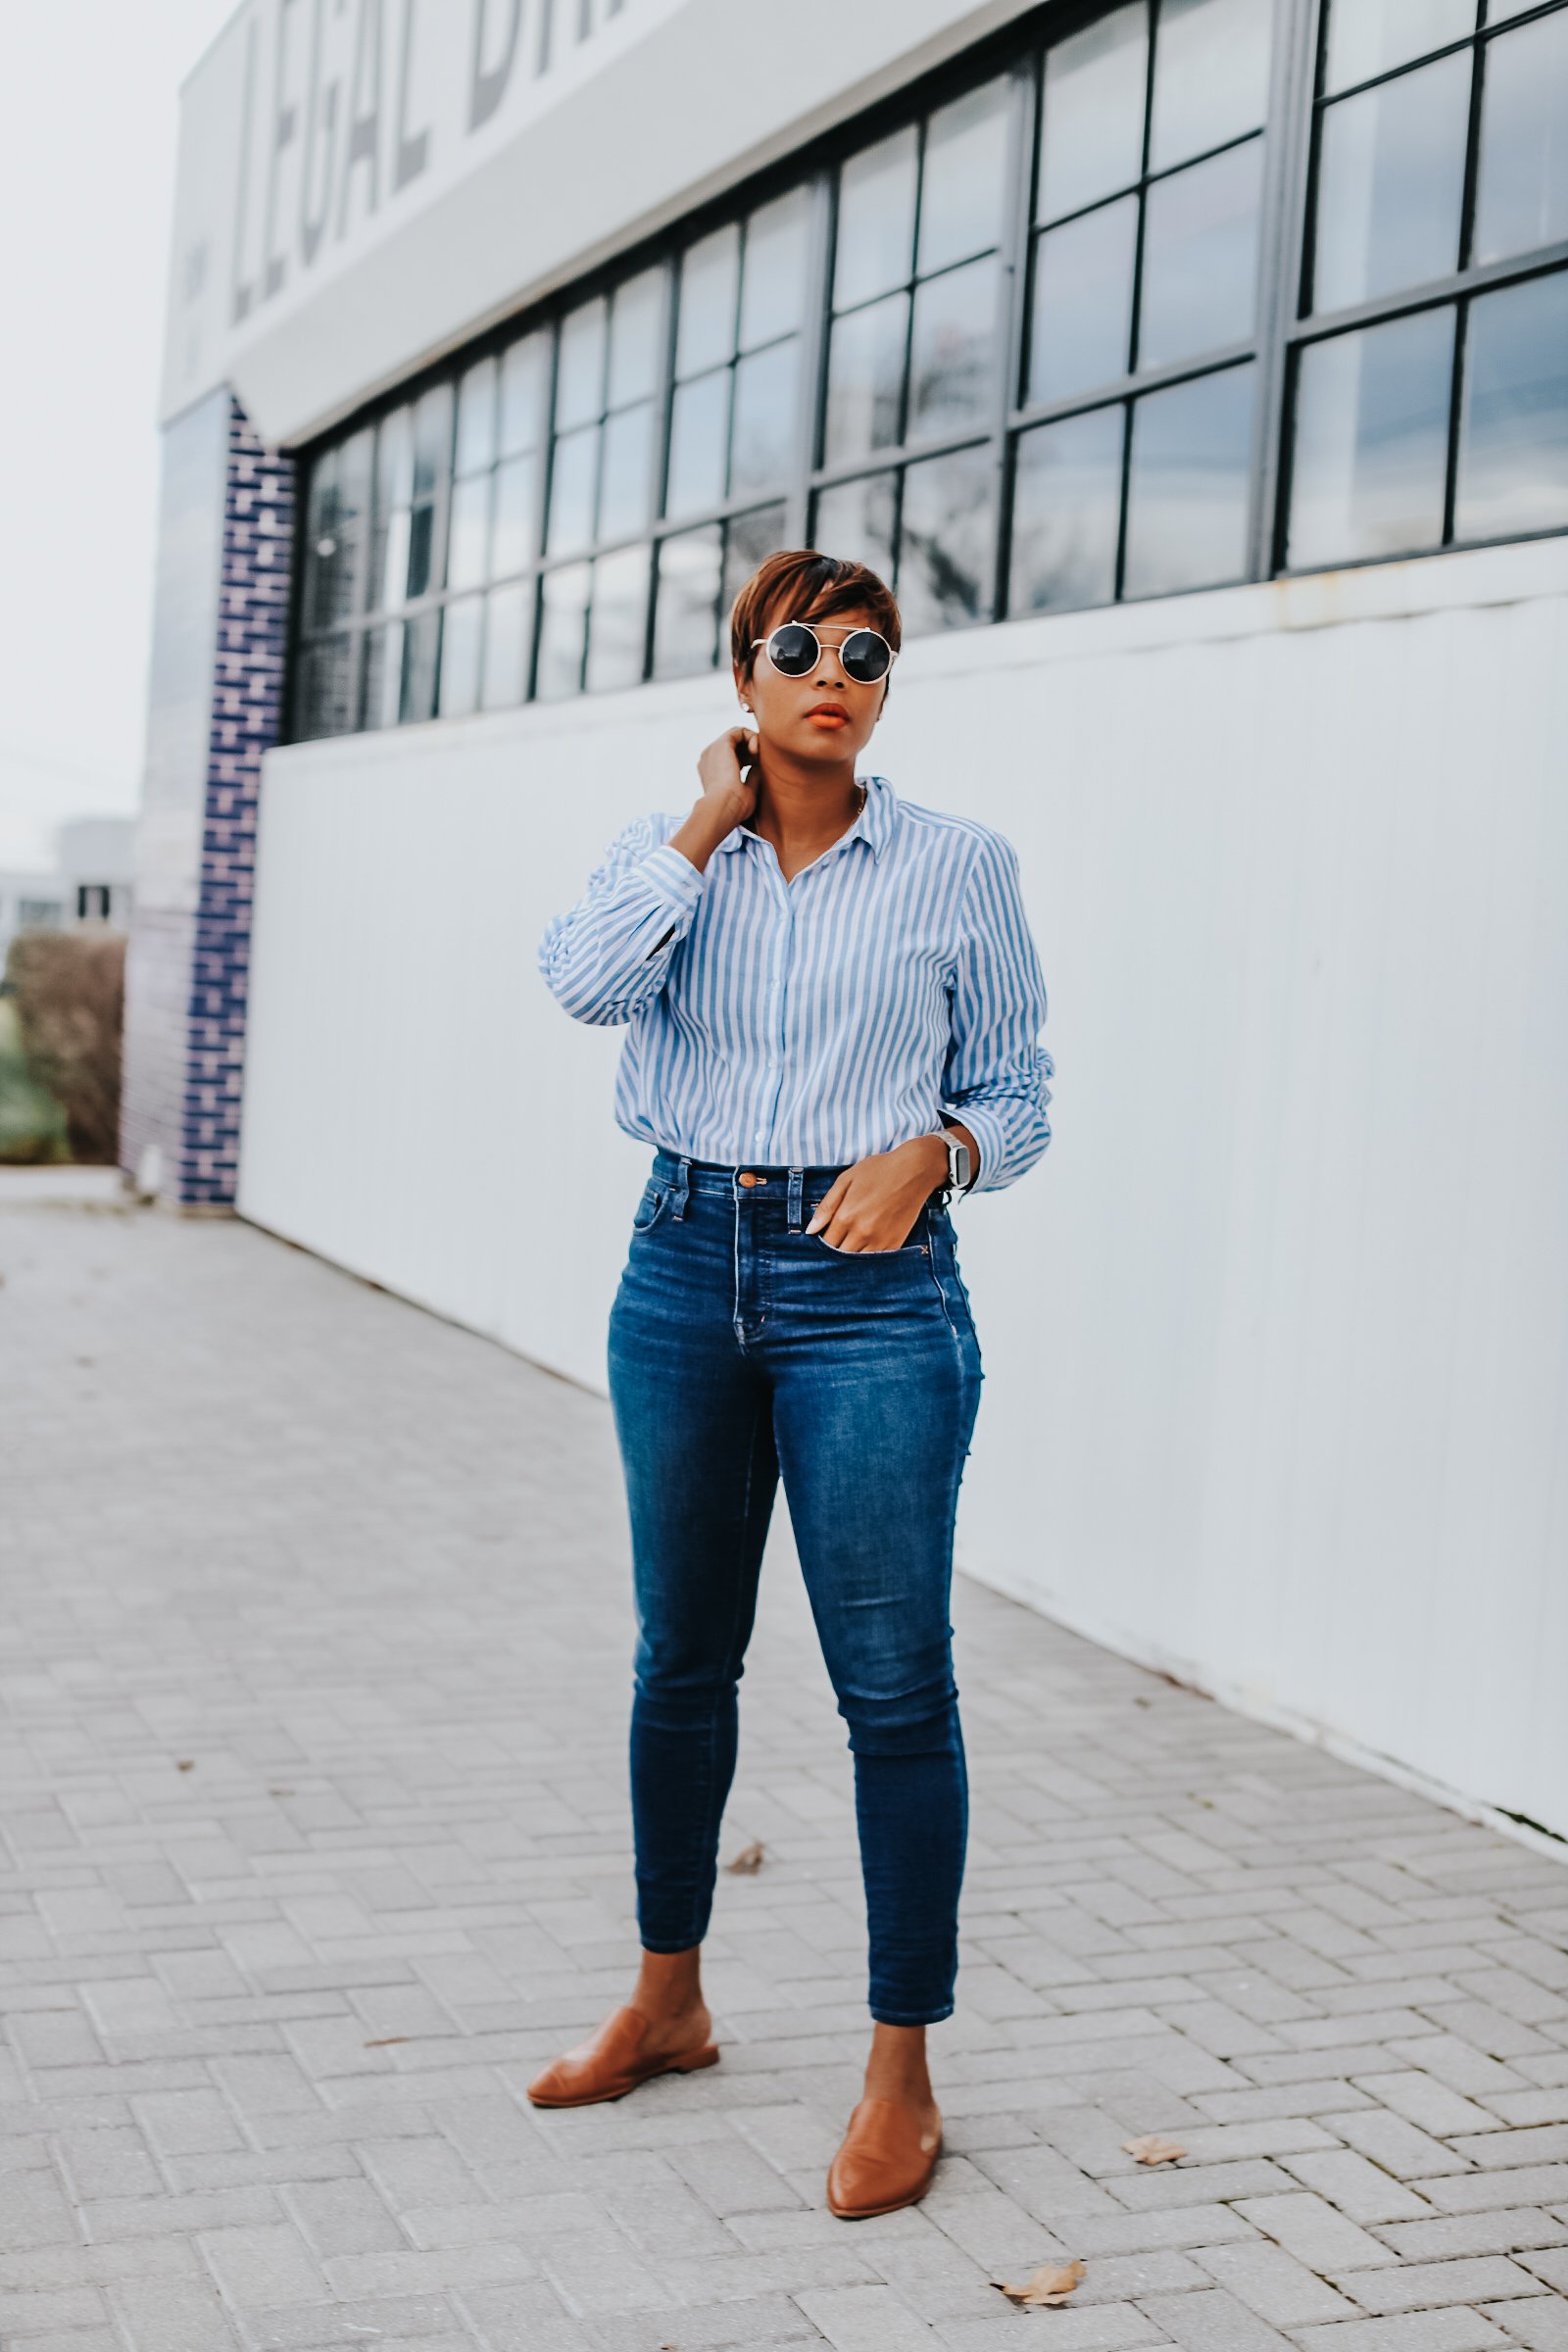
{"points": [[88, 103]]}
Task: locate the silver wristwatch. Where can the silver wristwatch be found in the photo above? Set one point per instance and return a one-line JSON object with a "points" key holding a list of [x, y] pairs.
{"points": [[959, 1176]]}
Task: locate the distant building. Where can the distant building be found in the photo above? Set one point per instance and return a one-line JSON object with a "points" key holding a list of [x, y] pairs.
{"points": [[1196, 370], [92, 881]]}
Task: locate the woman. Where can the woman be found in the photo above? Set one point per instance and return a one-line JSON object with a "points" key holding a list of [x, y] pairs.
{"points": [[833, 1002]]}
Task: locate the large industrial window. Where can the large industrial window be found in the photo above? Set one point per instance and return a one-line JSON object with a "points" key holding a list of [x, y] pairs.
{"points": [[1145, 296]]}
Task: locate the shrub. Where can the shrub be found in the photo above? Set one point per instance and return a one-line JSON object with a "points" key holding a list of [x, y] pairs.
{"points": [[68, 990]]}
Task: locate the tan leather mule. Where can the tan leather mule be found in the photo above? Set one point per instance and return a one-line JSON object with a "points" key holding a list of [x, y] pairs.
{"points": [[607, 2065], [886, 2160]]}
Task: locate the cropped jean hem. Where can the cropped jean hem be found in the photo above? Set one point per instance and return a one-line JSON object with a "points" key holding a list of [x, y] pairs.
{"points": [[898, 2017]]}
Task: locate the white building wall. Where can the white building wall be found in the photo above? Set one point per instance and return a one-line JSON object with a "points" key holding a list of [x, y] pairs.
{"points": [[1276, 1337]]}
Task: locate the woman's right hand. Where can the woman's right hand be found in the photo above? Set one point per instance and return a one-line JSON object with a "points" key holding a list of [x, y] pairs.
{"points": [[718, 770]]}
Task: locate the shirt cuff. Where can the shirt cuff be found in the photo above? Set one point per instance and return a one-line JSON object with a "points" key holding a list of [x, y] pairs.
{"points": [[988, 1132]]}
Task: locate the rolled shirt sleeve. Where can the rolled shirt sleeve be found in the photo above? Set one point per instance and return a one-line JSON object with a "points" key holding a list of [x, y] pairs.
{"points": [[608, 955], [995, 1078]]}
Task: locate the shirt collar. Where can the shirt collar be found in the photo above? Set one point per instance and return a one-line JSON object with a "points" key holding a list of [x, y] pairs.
{"points": [[873, 825]]}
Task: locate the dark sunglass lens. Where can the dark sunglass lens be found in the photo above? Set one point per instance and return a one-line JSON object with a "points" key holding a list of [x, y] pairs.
{"points": [[792, 648], [864, 656]]}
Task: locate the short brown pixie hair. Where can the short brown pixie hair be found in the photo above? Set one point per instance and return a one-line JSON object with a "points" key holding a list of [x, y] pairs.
{"points": [[798, 581]]}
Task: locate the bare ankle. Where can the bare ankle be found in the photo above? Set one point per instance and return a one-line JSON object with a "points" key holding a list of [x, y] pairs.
{"points": [[670, 1984]]}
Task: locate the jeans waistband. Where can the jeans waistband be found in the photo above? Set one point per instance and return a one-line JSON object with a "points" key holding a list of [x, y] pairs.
{"points": [[718, 1176]]}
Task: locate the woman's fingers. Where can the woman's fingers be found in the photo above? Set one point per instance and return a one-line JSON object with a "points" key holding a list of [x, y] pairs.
{"points": [[828, 1207]]}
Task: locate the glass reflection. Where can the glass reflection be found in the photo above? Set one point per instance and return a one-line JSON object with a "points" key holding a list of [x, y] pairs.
{"points": [[432, 441], [1201, 256], [1092, 124], [1513, 430], [777, 249], [946, 541], [1082, 302], [422, 645], [524, 376], [866, 379], [384, 674], [476, 417], [954, 350], [563, 617], [462, 639], [573, 469], [748, 540], [961, 193], [1522, 190], [581, 366], [708, 275], [1390, 181], [1211, 61], [763, 441], [508, 626], [635, 338], [1067, 504], [699, 435], [1373, 36], [1187, 485], [619, 622], [686, 615], [855, 519], [1371, 441], [469, 532], [516, 521], [876, 220], [626, 481]]}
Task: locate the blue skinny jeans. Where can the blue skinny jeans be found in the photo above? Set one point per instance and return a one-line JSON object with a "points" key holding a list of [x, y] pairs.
{"points": [[742, 1350]]}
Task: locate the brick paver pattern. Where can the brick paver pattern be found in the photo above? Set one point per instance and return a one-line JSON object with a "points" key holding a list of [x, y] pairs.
{"points": [[316, 1654]]}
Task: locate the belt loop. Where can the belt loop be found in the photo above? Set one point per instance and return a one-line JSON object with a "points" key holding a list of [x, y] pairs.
{"points": [[682, 1188], [796, 1188]]}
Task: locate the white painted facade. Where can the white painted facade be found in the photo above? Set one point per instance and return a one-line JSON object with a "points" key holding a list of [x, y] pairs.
{"points": [[1276, 1336]]}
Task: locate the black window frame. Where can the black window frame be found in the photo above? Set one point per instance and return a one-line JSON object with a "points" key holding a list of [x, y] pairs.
{"points": [[1284, 327]]}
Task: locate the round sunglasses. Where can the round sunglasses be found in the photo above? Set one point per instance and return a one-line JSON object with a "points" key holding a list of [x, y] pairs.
{"points": [[794, 649]]}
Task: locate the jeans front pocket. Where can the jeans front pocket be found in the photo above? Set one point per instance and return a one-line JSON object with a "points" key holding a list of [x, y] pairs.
{"points": [[652, 1207]]}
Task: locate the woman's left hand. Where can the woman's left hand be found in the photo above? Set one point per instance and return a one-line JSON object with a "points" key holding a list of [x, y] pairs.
{"points": [[874, 1204]]}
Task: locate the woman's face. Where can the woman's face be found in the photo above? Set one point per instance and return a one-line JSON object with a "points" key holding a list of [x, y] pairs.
{"points": [[824, 715]]}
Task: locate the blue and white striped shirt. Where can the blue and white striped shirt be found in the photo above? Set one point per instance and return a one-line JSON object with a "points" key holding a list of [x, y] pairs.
{"points": [[891, 984]]}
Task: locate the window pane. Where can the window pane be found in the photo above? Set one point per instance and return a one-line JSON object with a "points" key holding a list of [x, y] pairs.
{"points": [[1522, 195], [1498, 11], [476, 417], [340, 485], [866, 379], [507, 626], [1390, 174], [562, 626], [325, 703], [1066, 501], [855, 519], [390, 585], [1513, 435], [1082, 311], [708, 275], [777, 248], [515, 541], [619, 622], [1211, 61], [384, 674], [965, 161], [421, 549], [394, 460], [421, 642], [634, 337], [946, 541], [461, 636], [1092, 131], [469, 532], [1187, 487], [525, 373], [764, 418], [432, 440], [1372, 36], [580, 371], [699, 431], [876, 220], [1371, 441], [572, 489], [1200, 257], [954, 353], [626, 491], [686, 619], [748, 540]]}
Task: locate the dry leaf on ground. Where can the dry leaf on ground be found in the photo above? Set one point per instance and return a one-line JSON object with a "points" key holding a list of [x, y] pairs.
{"points": [[750, 1856], [386, 2042], [1155, 2149], [1052, 2283]]}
